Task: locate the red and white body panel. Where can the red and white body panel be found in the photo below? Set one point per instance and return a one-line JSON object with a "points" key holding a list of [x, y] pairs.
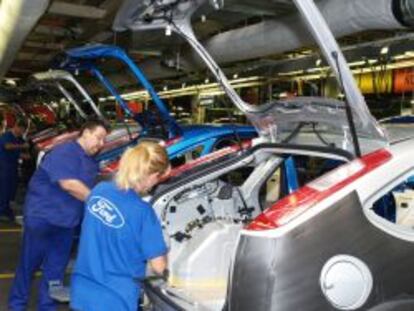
{"points": [[371, 174], [324, 248]]}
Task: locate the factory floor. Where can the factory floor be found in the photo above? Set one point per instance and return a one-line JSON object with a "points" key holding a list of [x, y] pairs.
{"points": [[10, 240]]}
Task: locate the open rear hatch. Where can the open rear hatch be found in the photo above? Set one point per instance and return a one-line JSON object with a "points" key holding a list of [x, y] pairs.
{"points": [[66, 83], [89, 57], [276, 120], [315, 121]]}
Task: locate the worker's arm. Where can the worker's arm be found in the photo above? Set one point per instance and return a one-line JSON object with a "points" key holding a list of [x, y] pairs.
{"points": [[158, 264], [25, 156], [75, 188], [11, 146]]}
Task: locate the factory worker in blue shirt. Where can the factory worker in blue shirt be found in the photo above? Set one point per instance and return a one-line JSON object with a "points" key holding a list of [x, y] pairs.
{"points": [[53, 208], [11, 145], [120, 235]]}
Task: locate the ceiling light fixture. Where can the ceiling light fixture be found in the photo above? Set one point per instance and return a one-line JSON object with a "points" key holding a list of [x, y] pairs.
{"points": [[217, 4], [185, 90], [11, 82], [384, 50], [409, 53], [168, 30]]}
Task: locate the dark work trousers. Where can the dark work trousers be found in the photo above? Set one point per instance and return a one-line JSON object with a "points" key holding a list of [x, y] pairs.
{"points": [[46, 247], [8, 186]]}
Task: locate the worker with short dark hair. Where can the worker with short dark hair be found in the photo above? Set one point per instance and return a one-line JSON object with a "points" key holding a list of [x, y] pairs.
{"points": [[11, 145], [53, 209]]}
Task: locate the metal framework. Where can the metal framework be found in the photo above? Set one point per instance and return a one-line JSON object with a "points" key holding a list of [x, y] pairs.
{"points": [[57, 75]]}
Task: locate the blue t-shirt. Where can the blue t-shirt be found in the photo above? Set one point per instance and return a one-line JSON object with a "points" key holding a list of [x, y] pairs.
{"points": [[9, 158], [120, 232], [46, 199]]}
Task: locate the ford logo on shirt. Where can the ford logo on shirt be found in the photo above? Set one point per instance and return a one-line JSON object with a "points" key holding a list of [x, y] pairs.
{"points": [[106, 211]]}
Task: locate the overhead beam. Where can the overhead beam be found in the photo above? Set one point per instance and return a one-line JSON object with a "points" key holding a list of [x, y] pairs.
{"points": [[57, 31], [21, 70], [94, 27], [25, 68], [33, 57], [101, 36], [44, 45], [76, 10]]}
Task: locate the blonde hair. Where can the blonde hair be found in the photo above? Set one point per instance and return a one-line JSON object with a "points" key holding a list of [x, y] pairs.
{"points": [[139, 162]]}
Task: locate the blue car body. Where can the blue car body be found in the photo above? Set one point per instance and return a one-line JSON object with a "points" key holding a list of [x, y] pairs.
{"points": [[186, 138], [407, 119], [209, 137]]}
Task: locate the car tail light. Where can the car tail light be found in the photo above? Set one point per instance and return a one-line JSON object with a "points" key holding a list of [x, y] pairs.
{"points": [[293, 205], [110, 168]]}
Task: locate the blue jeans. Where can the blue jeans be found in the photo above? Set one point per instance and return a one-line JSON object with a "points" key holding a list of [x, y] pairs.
{"points": [[44, 246]]}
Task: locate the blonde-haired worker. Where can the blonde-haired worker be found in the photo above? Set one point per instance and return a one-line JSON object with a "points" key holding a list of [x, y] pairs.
{"points": [[120, 234]]}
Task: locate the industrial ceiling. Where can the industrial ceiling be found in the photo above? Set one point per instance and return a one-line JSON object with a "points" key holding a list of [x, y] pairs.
{"points": [[242, 37]]}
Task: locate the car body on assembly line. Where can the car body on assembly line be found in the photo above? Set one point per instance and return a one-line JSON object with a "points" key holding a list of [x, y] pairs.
{"points": [[121, 136], [316, 214], [294, 217], [182, 141]]}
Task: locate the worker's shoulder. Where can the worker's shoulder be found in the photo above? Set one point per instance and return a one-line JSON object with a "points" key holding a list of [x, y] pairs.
{"points": [[126, 201], [67, 146], [109, 190], [103, 186], [67, 149], [6, 137]]}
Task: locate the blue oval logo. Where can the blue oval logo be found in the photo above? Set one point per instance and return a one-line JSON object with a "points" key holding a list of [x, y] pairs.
{"points": [[106, 212]]}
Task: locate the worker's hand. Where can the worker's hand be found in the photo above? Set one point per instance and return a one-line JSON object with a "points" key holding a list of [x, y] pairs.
{"points": [[25, 156], [159, 264], [25, 146], [166, 274], [11, 146]]}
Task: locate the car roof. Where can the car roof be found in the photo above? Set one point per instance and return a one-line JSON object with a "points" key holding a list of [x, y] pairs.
{"points": [[399, 132]]}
